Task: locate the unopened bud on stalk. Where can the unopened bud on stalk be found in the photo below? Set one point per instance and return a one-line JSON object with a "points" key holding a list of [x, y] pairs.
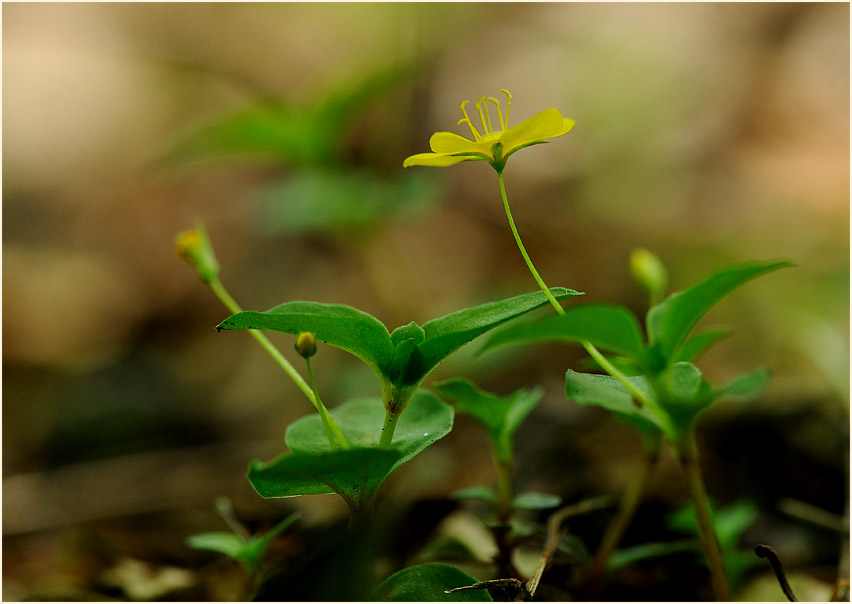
{"points": [[306, 345], [194, 247], [650, 273]]}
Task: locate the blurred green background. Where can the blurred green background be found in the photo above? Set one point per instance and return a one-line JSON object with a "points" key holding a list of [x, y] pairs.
{"points": [[707, 133]]}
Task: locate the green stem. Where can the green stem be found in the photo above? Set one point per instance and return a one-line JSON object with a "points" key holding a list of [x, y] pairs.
{"points": [[335, 436], [523, 250], [269, 347], [504, 491], [590, 348], [618, 525], [386, 438], [612, 370], [688, 457]]}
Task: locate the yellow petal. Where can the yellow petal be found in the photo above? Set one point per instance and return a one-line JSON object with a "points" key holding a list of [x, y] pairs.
{"points": [[437, 160], [546, 124], [449, 142]]}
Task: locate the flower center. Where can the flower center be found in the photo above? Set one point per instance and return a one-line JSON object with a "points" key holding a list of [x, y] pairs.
{"points": [[485, 117]]}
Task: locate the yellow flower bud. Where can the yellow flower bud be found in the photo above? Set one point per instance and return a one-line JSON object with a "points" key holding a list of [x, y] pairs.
{"points": [[194, 247], [306, 344]]}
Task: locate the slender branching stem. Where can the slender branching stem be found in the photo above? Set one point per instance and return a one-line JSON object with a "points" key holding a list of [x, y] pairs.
{"points": [[630, 500], [688, 457], [264, 342], [269, 347], [225, 509]]}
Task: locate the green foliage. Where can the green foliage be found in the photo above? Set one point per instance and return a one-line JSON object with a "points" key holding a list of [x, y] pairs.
{"points": [[525, 501], [429, 583], [296, 134], [322, 199], [675, 385], [607, 326], [610, 394], [501, 417], [247, 551], [731, 524], [536, 501], [312, 468], [670, 322], [400, 360], [354, 474]]}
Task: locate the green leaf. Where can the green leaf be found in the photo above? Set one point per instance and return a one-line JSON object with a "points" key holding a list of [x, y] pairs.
{"points": [[608, 393], [501, 417], [257, 544], [647, 551], [698, 344], [683, 393], [426, 420], [429, 583], [307, 134], [246, 552], [264, 127], [412, 332], [449, 333], [355, 474], [311, 468], [478, 492], [731, 522], [417, 351], [341, 200], [336, 324], [536, 501], [671, 321], [221, 542], [607, 326], [745, 386]]}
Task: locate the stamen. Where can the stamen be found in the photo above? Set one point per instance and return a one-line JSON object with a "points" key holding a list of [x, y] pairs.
{"points": [[485, 123], [508, 102], [499, 113], [466, 120]]}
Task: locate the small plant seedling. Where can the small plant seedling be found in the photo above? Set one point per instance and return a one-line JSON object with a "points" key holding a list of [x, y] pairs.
{"points": [[248, 550]]}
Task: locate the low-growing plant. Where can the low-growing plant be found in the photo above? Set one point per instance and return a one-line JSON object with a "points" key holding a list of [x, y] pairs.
{"points": [[649, 380]]}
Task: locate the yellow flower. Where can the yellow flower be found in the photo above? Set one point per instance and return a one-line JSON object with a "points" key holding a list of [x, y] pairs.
{"points": [[494, 146]]}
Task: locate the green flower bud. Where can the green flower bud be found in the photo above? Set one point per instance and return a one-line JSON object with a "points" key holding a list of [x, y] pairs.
{"points": [[306, 344], [650, 273], [194, 247]]}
